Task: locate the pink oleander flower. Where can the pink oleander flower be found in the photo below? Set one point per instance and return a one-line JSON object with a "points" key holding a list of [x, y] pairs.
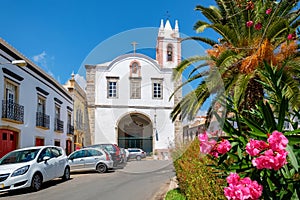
{"points": [[277, 141], [249, 24], [206, 144], [224, 147], [268, 11], [242, 189], [254, 147], [271, 160], [258, 26], [233, 178]]}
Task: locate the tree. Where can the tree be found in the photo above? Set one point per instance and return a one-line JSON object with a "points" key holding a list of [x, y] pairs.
{"points": [[252, 32]]}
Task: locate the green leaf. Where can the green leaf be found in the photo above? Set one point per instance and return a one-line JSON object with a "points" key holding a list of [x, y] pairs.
{"points": [[295, 195], [255, 128], [293, 139], [292, 157], [282, 111], [271, 184], [239, 152]]}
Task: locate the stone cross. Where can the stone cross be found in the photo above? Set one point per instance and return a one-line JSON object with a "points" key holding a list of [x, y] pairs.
{"points": [[134, 46]]}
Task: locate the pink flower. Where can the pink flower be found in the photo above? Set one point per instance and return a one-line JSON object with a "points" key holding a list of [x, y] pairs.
{"points": [[254, 147], [206, 144], [271, 160], [291, 36], [258, 26], [233, 178], [277, 141], [242, 189], [249, 24], [268, 11], [224, 147]]}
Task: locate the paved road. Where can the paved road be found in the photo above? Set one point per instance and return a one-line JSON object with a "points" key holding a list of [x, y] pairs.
{"points": [[138, 180]]}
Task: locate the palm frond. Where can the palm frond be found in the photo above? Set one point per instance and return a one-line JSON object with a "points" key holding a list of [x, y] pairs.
{"points": [[201, 39], [209, 13], [186, 63]]}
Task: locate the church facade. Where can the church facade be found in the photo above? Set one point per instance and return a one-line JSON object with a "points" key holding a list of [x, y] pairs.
{"points": [[129, 98]]}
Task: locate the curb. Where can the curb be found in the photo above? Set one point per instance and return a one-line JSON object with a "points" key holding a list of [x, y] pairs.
{"points": [[166, 187]]}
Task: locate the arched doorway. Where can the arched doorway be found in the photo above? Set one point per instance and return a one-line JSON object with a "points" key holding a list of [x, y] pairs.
{"points": [[135, 130]]}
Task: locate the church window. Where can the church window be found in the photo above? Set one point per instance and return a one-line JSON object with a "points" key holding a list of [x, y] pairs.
{"points": [[135, 69], [112, 87], [135, 88], [157, 88], [170, 52]]}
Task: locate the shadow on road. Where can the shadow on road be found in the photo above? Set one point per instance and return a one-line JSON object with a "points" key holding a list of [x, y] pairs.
{"points": [[23, 191]]}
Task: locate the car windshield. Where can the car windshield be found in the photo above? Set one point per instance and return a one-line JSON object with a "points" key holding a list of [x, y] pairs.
{"points": [[19, 156]]}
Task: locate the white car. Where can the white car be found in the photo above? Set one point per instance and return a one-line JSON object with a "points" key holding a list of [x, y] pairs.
{"points": [[32, 166], [90, 159]]}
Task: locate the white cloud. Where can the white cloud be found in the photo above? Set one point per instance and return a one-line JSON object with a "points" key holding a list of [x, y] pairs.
{"points": [[40, 57], [45, 62], [81, 81]]}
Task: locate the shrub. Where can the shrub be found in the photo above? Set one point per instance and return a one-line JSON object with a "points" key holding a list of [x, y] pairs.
{"points": [[175, 195], [196, 179]]}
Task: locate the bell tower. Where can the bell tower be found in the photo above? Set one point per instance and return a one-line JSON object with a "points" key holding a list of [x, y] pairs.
{"points": [[168, 55], [168, 46]]}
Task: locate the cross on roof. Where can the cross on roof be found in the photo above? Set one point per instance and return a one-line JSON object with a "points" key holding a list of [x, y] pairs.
{"points": [[134, 46], [168, 15]]}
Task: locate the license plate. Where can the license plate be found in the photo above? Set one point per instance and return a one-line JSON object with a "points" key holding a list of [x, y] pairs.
{"points": [[1, 185]]}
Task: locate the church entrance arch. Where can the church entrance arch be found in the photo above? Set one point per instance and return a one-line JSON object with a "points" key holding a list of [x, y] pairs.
{"points": [[135, 130]]}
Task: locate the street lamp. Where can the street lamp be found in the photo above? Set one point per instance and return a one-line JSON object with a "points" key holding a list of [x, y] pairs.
{"points": [[20, 63]]}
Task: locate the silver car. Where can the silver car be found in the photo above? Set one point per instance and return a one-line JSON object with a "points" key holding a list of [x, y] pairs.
{"points": [[90, 159], [32, 166]]}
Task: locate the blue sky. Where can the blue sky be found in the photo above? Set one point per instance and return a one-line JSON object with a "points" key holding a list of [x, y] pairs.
{"points": [[59, 34]]}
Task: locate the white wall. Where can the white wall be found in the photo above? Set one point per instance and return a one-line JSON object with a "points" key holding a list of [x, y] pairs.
{"points": [[28, 96]]}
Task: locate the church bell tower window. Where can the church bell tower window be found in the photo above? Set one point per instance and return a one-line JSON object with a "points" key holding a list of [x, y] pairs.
{"points": [[170, 52]]}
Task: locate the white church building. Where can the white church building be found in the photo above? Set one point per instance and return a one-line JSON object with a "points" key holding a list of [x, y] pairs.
{"points": [[129, 97]]}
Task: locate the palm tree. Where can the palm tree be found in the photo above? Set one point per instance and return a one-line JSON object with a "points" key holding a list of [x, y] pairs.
{"points": [[252, 32]]}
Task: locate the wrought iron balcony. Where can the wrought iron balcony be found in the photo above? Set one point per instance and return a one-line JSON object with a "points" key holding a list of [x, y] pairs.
{"points": [[70, 129], [42, 120], [12, 111], [58, 125]]}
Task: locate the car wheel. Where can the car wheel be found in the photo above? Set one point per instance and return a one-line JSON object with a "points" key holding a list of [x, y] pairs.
{"points": [[138, 158], [66, 175], [101, 168], [36, 182]]}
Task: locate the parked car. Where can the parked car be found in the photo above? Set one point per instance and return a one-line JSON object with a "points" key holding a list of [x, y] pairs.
{"points": [[136, 153], [124, 155], [90, 159], [113, 149], [32, 166]]}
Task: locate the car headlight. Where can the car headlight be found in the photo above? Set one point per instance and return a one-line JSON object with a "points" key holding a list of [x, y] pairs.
{"points": [[21, 171]]}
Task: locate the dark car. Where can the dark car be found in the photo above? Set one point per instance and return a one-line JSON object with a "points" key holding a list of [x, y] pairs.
{"points": [[136, 153], [113, 149]]}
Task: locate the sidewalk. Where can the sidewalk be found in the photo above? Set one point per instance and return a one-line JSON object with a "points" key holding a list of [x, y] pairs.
{"points": [[170, 185]]}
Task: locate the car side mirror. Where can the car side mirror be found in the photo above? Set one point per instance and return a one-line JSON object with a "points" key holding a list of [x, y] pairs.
{"points": [[46, 158]]}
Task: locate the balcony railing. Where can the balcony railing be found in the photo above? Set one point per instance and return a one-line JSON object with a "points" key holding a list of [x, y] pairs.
{"points": [[70, 129], [12, 111], [58, 125], [42, 120]]}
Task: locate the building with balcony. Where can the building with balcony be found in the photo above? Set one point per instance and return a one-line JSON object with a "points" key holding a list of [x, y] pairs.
{"points": [[81, 128], [36, 109]]}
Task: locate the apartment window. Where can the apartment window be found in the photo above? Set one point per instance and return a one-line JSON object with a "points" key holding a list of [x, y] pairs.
{"points": [[112, 87], [11, 110], [135, 88], [157, 88], [41, 105], [170, 52], [57, 111]]}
